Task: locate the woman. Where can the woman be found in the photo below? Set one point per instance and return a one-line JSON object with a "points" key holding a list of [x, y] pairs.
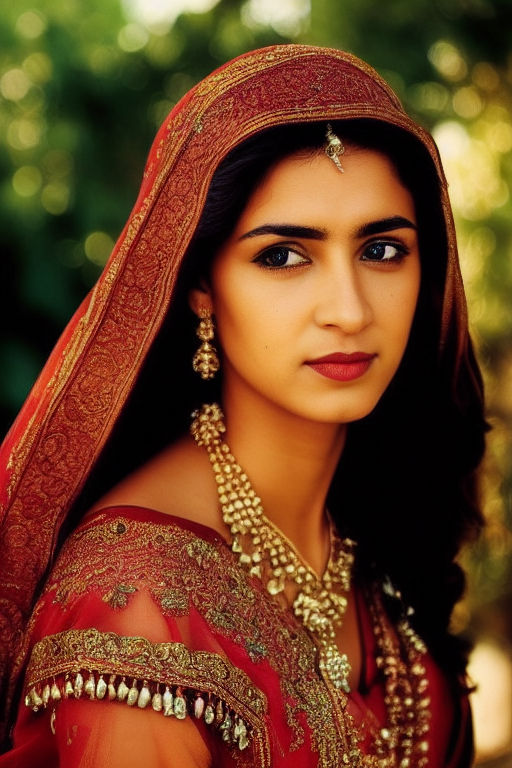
{"points": [[275, 587]]}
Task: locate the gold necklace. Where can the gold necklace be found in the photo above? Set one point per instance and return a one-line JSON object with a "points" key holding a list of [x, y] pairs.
{"points": [[403, 742], [321, 602]]}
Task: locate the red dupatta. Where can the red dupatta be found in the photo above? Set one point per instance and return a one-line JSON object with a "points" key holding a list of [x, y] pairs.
{"points": [[66, 420]]}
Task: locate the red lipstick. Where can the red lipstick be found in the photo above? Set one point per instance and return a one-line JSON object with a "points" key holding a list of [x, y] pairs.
{"points": [[342, 367]]}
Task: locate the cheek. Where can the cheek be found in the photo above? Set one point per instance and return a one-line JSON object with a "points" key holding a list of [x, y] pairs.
{"points": [[395, 305], [252, 310], [412, 289], [241, 318], [247, 329], [405, 304]]}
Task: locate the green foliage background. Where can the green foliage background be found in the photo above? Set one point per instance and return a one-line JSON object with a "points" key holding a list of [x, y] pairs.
{"points": [[83, 87]]}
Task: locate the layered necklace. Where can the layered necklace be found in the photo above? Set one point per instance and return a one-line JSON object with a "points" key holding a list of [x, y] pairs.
{"points": [[321, 602]]}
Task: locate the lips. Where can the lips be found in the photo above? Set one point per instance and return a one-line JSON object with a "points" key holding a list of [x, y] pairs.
{"points": [[341, 366]]}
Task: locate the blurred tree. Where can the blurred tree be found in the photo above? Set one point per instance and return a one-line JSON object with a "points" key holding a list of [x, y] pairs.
{"points": [[82, 92]]}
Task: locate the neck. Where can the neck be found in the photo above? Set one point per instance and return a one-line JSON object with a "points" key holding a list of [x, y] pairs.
{"points": [[290, 462]]}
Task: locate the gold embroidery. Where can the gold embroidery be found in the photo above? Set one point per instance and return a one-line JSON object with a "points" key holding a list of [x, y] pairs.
{"points": [[112, 551], [137, 657], [198, 683], [174, 601], [118, 597]]}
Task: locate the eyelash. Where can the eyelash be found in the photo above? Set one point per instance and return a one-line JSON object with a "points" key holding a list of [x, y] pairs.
{"points": [[275, 250], [286, 250], [401, 251]]}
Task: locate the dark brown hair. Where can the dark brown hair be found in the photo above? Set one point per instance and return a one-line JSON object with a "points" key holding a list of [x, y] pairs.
{"points": [[405, 487]]}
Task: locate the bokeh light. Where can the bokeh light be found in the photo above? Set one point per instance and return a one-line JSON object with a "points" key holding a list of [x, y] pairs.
{"points": [[448, 60], [27, 181], [288, 17], [38, 67], [98, 247], [14, 84], [31, 24], [24, 133], [132, 37], [55, 197], [158, 16]]}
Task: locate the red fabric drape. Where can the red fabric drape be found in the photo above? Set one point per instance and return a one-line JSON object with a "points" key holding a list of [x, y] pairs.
{"points": [[126, 588]]}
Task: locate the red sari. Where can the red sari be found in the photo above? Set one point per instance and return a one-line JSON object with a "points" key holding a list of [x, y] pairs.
{"points": [[160, 602], [243, 653]]}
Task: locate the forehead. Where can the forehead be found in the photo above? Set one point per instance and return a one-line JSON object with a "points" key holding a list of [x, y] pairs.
{"points": [[307, 186]]}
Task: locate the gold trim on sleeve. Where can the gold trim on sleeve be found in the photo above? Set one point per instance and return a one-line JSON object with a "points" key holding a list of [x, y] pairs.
{"points": [[167, 677]]}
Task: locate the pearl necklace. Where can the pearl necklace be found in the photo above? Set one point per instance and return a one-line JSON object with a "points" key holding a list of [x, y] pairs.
{"points": [[403, 743], [321, 602]]}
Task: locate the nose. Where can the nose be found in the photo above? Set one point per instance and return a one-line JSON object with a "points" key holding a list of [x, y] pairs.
{"points": [[343, 301]]}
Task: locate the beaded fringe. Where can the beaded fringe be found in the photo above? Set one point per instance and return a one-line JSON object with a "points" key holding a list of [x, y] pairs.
{"points": [[172, 701]]}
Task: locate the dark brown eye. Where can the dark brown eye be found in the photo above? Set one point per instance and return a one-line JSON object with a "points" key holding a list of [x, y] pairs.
{"points": [[280, 256], [384, 252]]}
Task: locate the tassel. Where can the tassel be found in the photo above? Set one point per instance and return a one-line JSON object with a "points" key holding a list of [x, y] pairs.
{"points": [[79, 685], [101, 688], [55, 692], [180, 705], [133, 695], [46, 695], [144, 696], [68, 689], [112, 693], [168, 702], [174, 702], [90, 687], [157, 702], [122, 690]]}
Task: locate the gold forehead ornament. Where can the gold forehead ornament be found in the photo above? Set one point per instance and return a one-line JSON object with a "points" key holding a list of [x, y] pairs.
{"points": [[333, 147]]}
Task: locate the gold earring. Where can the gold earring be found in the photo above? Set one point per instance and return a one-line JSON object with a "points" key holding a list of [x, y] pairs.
{"points": [[205, 361]]}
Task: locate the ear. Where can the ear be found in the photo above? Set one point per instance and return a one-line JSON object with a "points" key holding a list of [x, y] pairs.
{"points": [[200, 298]]}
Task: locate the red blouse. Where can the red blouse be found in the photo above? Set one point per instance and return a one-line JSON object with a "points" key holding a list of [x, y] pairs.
{"points": [[154, 604]]}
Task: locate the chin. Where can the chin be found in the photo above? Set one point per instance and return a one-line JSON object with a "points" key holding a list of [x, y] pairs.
{"points": [[337, 415], [349, 408]]}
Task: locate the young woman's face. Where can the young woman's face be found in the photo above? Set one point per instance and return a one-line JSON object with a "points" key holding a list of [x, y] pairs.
{"points": [[314, 293]]}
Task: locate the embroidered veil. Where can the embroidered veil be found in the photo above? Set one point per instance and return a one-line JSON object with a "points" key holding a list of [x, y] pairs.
{"points": [[53, 445]]}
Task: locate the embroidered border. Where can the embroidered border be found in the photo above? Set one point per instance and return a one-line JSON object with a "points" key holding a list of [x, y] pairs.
{"points": [[114, 556], [198, 683]]}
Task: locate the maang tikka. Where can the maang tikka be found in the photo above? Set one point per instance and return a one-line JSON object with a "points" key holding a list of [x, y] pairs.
{"points": [[205, 361], [333, 147]]}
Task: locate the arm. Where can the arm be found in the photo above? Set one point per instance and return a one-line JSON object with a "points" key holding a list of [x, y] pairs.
{"points": [[102, 734], [116, 615], [96, 692]]}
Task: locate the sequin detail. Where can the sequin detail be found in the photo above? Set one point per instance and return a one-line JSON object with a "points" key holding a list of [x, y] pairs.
{"points": [[236, 609], [176, 681]]}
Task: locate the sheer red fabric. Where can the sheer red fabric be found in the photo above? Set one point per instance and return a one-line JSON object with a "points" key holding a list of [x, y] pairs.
{"points": [[132, 587]]}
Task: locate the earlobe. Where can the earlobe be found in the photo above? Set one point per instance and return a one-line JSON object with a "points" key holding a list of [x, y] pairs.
{"points": [[200, 299]]}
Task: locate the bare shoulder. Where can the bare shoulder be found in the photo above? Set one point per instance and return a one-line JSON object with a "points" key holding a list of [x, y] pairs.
{"points": [[179, 481]]}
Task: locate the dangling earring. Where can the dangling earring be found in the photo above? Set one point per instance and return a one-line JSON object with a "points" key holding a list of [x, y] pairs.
{"points": [[205, 361]]}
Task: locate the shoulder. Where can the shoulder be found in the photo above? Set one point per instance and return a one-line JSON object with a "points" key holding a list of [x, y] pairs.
{"points": [[130, 588], [123, 551], [177, 482]]}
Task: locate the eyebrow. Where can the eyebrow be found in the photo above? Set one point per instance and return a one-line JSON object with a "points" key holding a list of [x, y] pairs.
{"points": [[287, 230], [313, 233], [385, 225]]}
